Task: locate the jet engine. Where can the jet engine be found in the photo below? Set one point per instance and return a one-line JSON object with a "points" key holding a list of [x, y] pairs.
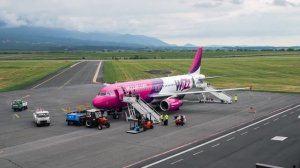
{"points": [[170, 104]]}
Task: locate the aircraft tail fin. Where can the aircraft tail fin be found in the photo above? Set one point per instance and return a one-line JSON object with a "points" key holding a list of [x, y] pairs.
{"points": [[196, 65]]}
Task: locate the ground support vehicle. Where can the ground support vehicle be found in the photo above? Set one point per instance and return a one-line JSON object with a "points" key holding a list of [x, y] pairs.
{"points": [[19, 105], [95, 118], [77, 118], [41, 117], [180, 120], [103, 121], [138, 125]]}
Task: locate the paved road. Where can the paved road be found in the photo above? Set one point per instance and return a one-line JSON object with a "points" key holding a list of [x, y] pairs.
{"points": [[273, 141], [79, 73], [24, 145]]}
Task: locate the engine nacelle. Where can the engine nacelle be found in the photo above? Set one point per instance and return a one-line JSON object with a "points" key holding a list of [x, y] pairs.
{"points": [[170, 104]]}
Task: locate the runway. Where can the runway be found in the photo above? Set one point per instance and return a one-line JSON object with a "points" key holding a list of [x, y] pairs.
{"points": [[80, 73], [273, 140], [24, 145]]}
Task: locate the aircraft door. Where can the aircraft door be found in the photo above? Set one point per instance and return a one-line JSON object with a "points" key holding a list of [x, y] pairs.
{"points": [[120, 93]]}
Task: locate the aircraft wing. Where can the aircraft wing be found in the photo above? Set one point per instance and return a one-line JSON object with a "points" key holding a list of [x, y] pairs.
{"points": [[161, 95]]}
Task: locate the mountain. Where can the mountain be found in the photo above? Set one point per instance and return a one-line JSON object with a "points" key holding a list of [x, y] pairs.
{"points": [[39, 38]]}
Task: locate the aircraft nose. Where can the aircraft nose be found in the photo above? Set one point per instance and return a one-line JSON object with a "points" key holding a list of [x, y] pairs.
{"points": [[97, 102]]}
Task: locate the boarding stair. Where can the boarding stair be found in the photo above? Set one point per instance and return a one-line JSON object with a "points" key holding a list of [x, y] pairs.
{"points": [[224, 98], [142, 107]]}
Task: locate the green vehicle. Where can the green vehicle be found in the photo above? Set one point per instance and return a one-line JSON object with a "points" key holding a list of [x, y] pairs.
{"points": [[19, 105]]}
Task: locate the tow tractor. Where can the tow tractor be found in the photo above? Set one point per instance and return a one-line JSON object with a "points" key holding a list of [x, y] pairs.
{"points": [[19, 105], [95, 118]]}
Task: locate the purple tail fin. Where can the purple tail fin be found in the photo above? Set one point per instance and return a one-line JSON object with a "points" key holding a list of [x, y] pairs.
{"points": [[196, 65]]}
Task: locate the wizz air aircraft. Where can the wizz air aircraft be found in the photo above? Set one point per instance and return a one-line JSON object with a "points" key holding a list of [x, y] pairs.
{"points": [[167, 91]]}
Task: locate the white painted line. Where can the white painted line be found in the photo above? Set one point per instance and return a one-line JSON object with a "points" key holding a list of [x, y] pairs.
{"points": [[65, 83], [283, 116], [216, 139], [176, 161], [198, 152], [244, 133], [255, 128], [279, 138], [215, 145], [55, 75], [74, 64], [266, 123], [275, 119], [96, 73], [232, 138], [16, 115]]}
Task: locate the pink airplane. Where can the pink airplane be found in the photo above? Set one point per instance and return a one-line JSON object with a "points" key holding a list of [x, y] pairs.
{"points": [[167, 91]]}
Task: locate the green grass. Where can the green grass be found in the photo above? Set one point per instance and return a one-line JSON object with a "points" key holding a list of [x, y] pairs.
{"points": [[19, 74], [159, 54], [272, 73]]}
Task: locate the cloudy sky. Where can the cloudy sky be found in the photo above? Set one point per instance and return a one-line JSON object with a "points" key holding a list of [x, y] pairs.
{"points": [[200, 22]]}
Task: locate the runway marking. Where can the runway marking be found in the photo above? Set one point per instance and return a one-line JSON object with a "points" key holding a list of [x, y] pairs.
{"points": [[176, 161], [279, 138], [232, 138], [255, 128], [16, 116], [266, 123], [25, 96], [96, 73], [283, 116], [244, 133], [215, 145], [55, 75], [65, 83], [198, 152], [275, 119], [216, 139]]}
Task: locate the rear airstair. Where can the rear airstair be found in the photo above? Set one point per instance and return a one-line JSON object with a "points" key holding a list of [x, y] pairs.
{"points": [[142, 107], [219, 95]]}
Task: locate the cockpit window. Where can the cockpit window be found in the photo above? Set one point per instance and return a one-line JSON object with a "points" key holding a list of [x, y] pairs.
{"points": [[101, 93], [106, 94]]}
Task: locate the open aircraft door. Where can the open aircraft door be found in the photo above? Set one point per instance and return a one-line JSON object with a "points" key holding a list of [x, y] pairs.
{"points": [[119, 93]]}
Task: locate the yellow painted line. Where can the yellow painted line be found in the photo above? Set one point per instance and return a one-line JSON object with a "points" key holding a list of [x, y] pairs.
{"points": [[96, 73], [55, 75]]}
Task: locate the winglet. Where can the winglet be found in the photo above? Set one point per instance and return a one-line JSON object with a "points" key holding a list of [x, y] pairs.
{"points": [[196, 65]]}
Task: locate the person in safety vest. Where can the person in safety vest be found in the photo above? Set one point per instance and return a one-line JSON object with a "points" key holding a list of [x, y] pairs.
{"points": [[166, 118], [162, 119], [235, 98]]}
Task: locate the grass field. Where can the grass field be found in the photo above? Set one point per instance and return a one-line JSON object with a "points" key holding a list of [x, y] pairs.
{"points": [[155, 54], [273, 73], [18, 74]]}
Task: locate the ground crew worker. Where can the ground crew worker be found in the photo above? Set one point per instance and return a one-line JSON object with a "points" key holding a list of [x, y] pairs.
{"points": [[166, 118], [162, 119], [235, 98]]}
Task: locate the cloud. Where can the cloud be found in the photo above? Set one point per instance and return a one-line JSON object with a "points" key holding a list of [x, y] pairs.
{"points": [[169, 20], [285, 3]]}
